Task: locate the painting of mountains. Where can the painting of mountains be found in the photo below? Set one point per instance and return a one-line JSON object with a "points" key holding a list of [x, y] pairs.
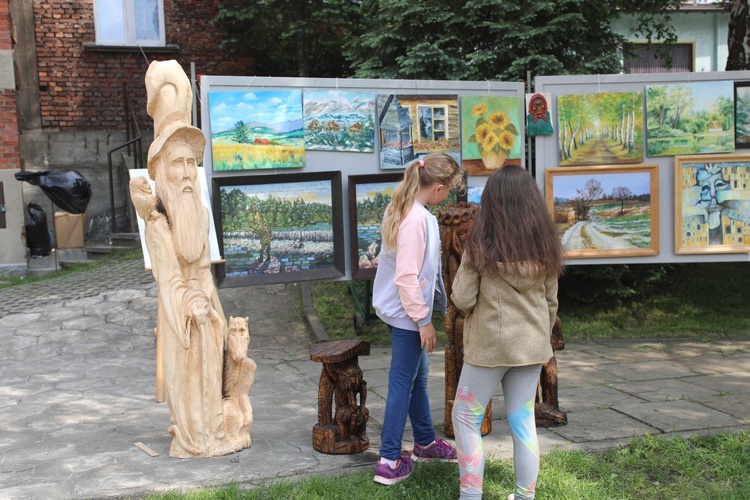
{"points": [[339, 120], [256, 129]]}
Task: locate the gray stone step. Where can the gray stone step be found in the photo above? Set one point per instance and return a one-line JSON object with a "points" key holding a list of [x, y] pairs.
{"points": [[96, 252], [132, 240]]}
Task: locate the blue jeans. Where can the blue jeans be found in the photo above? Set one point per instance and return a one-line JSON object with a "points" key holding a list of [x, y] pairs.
{"points": [[407, 394]]}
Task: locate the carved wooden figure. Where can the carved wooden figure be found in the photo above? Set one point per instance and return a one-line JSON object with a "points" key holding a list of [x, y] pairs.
{"points": [[342, 429], [191, 326], [547, 407], [239, 376], [455, 221]]}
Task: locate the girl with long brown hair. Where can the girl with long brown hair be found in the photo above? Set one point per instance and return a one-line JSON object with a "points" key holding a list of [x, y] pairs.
{"points": [[507, 284]]}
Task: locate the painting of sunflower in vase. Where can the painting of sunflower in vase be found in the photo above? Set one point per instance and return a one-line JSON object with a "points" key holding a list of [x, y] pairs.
{"points": [[490, 130]]}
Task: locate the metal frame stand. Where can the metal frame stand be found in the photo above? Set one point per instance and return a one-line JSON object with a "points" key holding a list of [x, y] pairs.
{"points": [[365, 315]]}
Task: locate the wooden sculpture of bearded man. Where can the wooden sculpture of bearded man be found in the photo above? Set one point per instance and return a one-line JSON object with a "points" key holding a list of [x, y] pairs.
{"points": [[191, 324]]}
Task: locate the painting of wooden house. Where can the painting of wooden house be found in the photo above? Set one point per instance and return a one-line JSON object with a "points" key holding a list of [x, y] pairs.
{"points": [[332, 126], [396, 140], [436, 124], [314, 125]]}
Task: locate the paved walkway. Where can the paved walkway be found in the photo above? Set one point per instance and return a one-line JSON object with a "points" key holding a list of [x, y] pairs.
{"points": [[77, 391]]}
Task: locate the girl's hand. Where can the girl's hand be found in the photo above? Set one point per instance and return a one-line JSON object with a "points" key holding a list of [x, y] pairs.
{"points": [[428, 337]]}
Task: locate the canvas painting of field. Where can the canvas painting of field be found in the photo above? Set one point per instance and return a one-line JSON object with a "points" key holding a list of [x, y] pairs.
{"points": [[690, 118], [600, 129], [339, 120], [605, 211], [256, 129], [491, 132]]}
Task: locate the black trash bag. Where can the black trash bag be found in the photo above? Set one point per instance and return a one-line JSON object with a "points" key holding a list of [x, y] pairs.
{"points": [[67, 189], [37, 232]]}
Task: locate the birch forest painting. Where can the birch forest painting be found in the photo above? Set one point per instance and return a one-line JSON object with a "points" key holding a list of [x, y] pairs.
{"points": [[597, 129]]}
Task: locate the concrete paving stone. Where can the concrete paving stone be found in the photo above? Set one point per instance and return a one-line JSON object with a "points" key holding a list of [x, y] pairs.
{"points": [[578, 399], [666, 390], [732, 383], [585, 376], [716, 363], [601, 425], [19, 319], [104, 309], [737, 406], [83, 323], [647, 370], [123, 295], [674, 416]]}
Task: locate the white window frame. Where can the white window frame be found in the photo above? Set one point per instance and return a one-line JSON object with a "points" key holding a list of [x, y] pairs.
{"points": [[128, 15]]}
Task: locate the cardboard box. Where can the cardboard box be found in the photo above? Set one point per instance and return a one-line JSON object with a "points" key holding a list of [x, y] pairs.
{"points": [[69, 230]]}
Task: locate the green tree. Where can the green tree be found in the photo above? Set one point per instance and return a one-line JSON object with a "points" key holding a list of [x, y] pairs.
{"points": [[241, 134], [738, 35], [498, 39], [291, 37]]}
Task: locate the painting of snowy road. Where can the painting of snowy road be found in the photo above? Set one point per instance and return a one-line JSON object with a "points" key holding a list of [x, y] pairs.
{"points": [[605, 211]]}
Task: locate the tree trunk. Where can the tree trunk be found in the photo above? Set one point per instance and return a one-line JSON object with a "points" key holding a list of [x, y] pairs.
{"points": [[738, 37]]}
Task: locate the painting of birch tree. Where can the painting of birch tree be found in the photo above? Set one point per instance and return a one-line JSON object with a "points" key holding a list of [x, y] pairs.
{"points": [[596, 129]]}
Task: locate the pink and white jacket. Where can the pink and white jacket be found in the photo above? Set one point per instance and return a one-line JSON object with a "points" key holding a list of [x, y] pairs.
{"points": [[408, 284]]}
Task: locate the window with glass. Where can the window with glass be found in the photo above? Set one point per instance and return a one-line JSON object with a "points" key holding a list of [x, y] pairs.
{"points": [[129, 22], [432, 122]]}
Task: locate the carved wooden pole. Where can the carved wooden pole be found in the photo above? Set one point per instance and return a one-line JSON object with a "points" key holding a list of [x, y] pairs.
{"points": [[455, 221]]}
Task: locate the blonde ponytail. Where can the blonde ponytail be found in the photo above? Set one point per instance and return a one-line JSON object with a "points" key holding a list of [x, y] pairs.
{"points": [[435, 168]]}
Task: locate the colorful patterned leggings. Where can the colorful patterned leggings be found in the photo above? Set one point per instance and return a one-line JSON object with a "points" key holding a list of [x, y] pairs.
{"points": [[475, 388]]}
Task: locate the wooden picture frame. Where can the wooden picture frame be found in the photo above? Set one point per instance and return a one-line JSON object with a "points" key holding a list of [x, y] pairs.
{"points": [[279, 228], [742, 115], [712, 203], [605, 210]]}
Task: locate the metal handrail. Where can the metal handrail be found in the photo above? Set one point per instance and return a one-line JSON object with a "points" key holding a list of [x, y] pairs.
{"points": [[138, 153]]}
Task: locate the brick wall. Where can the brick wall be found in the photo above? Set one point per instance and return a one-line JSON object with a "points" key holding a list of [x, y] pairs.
{"points": [[9, 147], [82, 89]]}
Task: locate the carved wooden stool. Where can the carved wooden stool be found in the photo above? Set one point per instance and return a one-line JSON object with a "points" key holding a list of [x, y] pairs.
{"points": [[344, 431]]}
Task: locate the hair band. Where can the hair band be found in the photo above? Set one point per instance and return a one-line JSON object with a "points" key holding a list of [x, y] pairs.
{"points": [[421, 163]]}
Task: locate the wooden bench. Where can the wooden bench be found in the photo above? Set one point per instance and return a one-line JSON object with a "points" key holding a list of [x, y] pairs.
{"points": [[343, 429]]}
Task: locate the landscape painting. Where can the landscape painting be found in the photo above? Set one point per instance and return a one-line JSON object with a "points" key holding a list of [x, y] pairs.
{"points": [[280, 228], [256, 129], [339, 120], [411, 126], [712, 204], [474, 194], [600, 129], [690, 118], [491, 129], [605, 211], [742, 114]]}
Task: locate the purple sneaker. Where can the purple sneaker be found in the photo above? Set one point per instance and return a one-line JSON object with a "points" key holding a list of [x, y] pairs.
{"points": [[439, 451], [384, 474]]}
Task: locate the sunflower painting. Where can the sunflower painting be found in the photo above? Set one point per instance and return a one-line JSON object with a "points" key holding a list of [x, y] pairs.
{"points": [[490, 129]]}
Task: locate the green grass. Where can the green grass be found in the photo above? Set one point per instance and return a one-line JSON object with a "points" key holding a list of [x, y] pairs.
{"points": [[697, 301], [117, 256], [648, 467]]}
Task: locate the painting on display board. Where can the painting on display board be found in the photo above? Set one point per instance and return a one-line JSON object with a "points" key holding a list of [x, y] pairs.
{"points": [[411, 126], [712, 204], [369, 195], [279, 228], [600, 129], [605, 211], [339, 120], [538, 118], [490, 131], [741, 115], [256, 129], [474, 194], [690, 118]]}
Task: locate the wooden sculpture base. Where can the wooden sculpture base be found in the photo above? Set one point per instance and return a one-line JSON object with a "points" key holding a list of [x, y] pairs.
{"points": [[342, 432]]}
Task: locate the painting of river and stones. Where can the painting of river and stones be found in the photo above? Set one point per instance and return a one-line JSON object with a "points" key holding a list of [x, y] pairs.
{"points": [[690, 118], [600, 129], [275, 229], [605, 211], [256, 129], [339, 120], [369, 195]]}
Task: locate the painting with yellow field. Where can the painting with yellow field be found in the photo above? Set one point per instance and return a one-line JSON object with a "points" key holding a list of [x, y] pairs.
{"points": [[256, 130]]}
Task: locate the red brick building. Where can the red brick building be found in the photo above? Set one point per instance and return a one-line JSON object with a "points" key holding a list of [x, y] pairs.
{"points": [[76, 64]]}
